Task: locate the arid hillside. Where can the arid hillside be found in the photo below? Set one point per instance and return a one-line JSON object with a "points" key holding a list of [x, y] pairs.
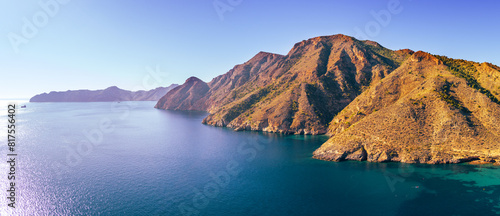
{"points": [[376, 104], [429, 110]]}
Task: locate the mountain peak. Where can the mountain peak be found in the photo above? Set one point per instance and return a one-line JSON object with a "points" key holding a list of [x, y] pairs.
{"points": [[112, 88], [336, 84], [187, 96], [337, 37], [373, 43], [193, 79], [263, 53], [406, 51], [425, 56], [334, 37]]}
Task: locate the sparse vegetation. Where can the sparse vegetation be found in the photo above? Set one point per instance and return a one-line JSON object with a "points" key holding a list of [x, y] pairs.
{"points": [[445, 94], [244, 105], [295, 106], [467, 70], [323, 58], [387, 56], [311, 89], [416, 102]]}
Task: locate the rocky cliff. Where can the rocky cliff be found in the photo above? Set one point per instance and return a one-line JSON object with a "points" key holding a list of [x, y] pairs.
{"points": [[295, 94], [431, 109], [376, 104], [188, 96]]}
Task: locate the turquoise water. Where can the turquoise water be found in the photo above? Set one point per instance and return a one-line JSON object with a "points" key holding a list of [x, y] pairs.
{"points": [[131, 159]]}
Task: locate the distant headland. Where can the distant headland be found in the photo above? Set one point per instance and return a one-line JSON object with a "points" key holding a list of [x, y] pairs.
{"points": [[112, 93]]}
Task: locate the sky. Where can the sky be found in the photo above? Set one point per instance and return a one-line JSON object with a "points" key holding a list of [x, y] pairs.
{"points": [[59, 45]]}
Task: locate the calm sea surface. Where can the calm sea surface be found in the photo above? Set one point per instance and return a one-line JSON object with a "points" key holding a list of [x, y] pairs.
{"points": [[131, 159]]}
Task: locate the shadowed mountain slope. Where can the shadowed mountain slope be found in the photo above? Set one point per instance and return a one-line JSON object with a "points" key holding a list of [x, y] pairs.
{"points": [[297, 93], [376, 104]]}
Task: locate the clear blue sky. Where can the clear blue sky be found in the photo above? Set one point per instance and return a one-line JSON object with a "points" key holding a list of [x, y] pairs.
{"points": [[93, 44]]}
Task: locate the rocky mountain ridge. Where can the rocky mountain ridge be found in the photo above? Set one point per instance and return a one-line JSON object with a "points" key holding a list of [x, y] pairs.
{"points": [[376, 104], [112, 93]]}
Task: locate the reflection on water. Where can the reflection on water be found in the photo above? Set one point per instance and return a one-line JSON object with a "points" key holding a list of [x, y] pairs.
{"points": [[130, 159]]}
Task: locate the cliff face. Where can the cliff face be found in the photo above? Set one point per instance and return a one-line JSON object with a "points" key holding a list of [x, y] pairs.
{"points": [[110, 94], [188, 96], [424, 112], [376, 104], [298, 93]]}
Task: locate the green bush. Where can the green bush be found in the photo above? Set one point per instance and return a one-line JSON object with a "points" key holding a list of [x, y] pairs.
{"points": [[444, 93], [466, 69]]}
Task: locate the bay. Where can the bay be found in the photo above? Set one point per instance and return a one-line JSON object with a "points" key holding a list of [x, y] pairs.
{"points": [[128, 158]]}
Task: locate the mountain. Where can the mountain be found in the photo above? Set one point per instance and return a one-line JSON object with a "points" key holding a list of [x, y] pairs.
{"points": [[109, 94], [432, 109], [376, 104], [298, 93], [186, 97]]}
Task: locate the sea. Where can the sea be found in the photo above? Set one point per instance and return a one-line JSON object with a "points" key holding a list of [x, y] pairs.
{"points": [[128, 158]]}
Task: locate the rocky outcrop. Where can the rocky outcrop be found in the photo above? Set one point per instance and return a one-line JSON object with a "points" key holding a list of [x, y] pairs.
{"points": [[188, 96], [112, 93], [423, 112], [298, 93], [376, 104]]}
